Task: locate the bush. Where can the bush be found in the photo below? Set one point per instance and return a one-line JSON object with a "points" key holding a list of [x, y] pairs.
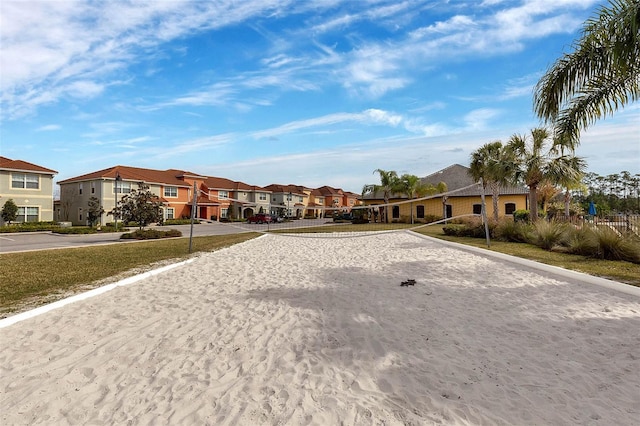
{"points": [[547, 235], [582, 241], [510, 230], [76, 230], [151, 234], [521, 215], [29, 227], [179, 222], [613, 246]]}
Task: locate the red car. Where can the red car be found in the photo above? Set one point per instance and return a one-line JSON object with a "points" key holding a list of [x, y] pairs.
{"points": [[260, 218]]}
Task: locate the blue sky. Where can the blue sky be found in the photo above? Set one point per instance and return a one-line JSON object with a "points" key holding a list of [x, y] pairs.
{"points": [[274, 91]]}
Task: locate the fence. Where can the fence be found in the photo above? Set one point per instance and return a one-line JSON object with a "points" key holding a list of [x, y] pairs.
{"points": [[623, 223]]}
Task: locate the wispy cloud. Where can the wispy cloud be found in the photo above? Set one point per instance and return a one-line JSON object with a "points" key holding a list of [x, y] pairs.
{"points": [[49, 128]]}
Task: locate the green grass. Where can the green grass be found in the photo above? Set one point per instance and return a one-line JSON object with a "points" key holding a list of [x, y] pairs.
{"points": [[616, 270], [34, 278]]}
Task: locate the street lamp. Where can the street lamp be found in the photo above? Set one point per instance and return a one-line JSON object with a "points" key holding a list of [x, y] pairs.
{"points": [[115, 209]]}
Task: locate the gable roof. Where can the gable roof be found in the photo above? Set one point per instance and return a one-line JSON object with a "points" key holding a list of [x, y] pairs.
{"points": [[24, 166], [166, 177]]}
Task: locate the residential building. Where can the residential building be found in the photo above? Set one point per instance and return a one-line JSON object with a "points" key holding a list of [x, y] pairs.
{"points": [[30, 187], [289, 200]]}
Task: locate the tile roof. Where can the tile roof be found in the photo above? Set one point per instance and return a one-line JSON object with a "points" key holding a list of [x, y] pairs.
{"points": [[23, 166], [167, 177]]}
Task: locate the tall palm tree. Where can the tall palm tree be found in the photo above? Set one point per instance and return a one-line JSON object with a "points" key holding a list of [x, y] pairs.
{"points": [[494, 164], [389, 183], [601, 75], [568, 172], [537, 163]]}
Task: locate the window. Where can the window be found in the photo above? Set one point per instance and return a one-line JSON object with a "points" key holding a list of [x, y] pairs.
{"points": [[420, 212], [28, 214], [300, 199], [224, 213], [396, 212], [24, 180], [320, 200], [123, 187], [262, 196], [93, 187], [170, 191], [169, 213], [223, 195], [477, 209], [509, 208], [80, 214], [80, 188], [289, 197]]}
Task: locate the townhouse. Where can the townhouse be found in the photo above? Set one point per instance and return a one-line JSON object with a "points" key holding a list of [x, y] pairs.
{"points": [[30, 187]]}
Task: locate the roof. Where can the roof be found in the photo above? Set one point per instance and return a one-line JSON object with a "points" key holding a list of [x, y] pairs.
{"points": [[285, 189], [167, 177], [457, 176], [23, 166]]}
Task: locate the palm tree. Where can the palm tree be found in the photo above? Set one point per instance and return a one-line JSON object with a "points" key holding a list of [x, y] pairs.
{"points": [[494, 164], [389, 183], [536, 163], [601, 75], [567, 171], [413, 187]]}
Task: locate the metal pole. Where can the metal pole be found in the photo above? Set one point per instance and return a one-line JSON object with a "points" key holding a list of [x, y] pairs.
{"points": [[115, 212], [193, 213], [484, 214]]}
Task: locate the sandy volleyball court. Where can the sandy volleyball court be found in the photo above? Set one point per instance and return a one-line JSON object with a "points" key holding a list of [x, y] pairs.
{"points": [[298, 330]]}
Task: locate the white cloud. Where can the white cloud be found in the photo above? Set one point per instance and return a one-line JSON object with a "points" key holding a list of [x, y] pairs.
{"points": [[49, 128]]}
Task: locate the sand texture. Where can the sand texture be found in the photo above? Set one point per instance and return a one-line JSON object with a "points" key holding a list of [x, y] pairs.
{"points": [[298, 330]]}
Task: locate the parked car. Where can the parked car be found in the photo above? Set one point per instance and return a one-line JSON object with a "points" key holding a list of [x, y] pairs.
{"points": [[276, 218], [260, 218]]}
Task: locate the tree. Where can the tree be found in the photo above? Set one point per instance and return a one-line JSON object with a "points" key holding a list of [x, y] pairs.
{"points": [[601, 75], [94, 211], [495, 165], [412, 187], [140, 206], [9, 211], [536, 163], [389, 183]]}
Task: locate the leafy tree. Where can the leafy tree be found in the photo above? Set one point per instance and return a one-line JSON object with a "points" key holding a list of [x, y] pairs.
{"points": [[9, 211], [94, 211], [389, 183], [536, 163], [495, 165], [601, 75], [140, 206]]}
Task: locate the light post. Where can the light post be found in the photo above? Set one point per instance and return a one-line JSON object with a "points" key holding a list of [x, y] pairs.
{"points": [[115, 209], [288, 204]]}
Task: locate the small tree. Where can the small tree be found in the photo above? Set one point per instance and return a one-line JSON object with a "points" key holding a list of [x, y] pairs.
{"points": [[9, 211], [140, 206], [94, 211]]}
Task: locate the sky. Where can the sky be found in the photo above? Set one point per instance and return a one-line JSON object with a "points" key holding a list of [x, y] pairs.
{"points": [[285, 91]]}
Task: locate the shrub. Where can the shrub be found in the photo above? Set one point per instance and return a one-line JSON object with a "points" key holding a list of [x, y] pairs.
{"points": [[511, 230], [151, 234], [582, 241], [614, 246], [521, 215], [179, 222], [548, 234], [76, 230]]}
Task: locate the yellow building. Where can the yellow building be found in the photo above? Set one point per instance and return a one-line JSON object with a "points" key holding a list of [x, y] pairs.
{"points": [[463, 197]]}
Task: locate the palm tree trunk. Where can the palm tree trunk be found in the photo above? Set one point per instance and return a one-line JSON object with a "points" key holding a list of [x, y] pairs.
{"points": [[533, 202]]}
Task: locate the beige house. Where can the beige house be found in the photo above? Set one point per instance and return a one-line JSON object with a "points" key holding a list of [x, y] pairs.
{"points": [[30, 187]]}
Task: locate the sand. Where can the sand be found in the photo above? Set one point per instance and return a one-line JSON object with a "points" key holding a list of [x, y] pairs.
{"points": [[297, 330]]}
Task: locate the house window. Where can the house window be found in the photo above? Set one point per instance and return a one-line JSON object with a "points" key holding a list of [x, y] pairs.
{"points": [[262, 196], [80, 188], [93, 187], [320, 200], [300, 199], [289, 198], [509, 208], [123, 187], [169, 213], [80, 214], [28, 214], [224, 213], [477, 209], [170, 191], [420, 212], [24, 180], [223, 195], [396, 212]]}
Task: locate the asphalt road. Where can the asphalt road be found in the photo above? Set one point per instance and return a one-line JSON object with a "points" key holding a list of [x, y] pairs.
{"points": [[29, 241]]}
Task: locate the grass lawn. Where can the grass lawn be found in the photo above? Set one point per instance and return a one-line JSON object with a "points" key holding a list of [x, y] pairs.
{"points": [[31, 279]]}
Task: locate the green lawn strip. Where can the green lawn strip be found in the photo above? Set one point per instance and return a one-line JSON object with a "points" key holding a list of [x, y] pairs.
{"points": [[621, 271], [31, 279]]}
